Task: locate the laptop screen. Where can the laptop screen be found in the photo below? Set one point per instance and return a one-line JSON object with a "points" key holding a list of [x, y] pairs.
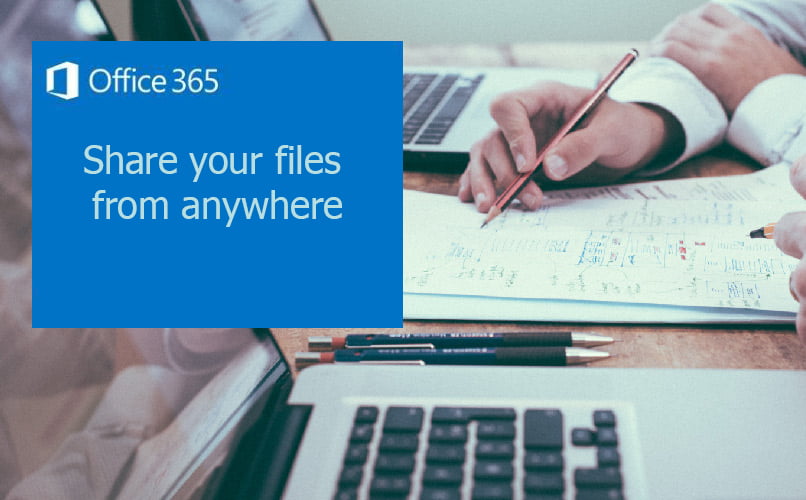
{"points": [[253, 20]]}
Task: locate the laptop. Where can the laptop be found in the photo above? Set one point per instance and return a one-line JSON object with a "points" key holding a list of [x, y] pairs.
{"points": [[455, 432], [445, 109]]}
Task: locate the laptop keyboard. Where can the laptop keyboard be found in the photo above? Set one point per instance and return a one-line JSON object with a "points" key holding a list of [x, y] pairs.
{"points": [[431, 104], [481, 453]]}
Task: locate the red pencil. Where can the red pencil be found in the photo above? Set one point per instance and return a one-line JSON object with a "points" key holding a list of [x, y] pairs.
{"points": [[509, 194]]}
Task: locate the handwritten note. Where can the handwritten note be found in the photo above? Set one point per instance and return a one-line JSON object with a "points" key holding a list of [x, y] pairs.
{"points": [[688, 247]]}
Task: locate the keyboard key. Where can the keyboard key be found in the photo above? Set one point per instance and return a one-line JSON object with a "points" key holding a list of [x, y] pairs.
{"points": [[604, 418], [402, 463], [583, 437], [607, 456], [346, 494], [597, 478], [445, 453], [356, 454], [492, 491], [366, 414], [442, 474], [399, 442], [431, 493], [606, 436], [454, 433], [403, 419], [495, 430], [544, 482], [542, 429], [493, 470], [351, 475], [495, 449], [390, 485], [459, 415], [599, 494], [362, 433], [543, 496], [543, 460]]}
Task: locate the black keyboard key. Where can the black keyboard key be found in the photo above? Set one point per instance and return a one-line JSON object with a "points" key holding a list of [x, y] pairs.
{"points": [[351, 475], [403, 419], [431, 493], [543, 429], [493, 470], [605, 477], [356, 454], [445, 453], [495, 430], [604, 418], [583, 437], [362, 433], [606, 436], [399, 442], [495, 449], [599, 494], [451, 433], [607, 456], [346, 494], [492, 491], [442, 474], [366, 414], [459, 415], [543, 460], [544, 482], [394, 463], [390, 485], [543, 496]]}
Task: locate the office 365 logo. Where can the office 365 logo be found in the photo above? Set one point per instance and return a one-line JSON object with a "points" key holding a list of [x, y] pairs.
{"points": [[62, 80]]}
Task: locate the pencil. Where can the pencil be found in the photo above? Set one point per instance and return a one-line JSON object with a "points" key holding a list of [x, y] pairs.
{"points": [[767, 231], [458, 339], [587, 106]]}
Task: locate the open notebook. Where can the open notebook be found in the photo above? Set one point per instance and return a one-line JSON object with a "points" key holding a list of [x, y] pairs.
{"points": [[666, 251]]}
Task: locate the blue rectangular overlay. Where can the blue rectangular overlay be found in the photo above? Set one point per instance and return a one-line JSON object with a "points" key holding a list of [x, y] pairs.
{"points": [[217, 184]]}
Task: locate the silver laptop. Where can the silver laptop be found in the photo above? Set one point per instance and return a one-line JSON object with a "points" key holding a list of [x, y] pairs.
{"points": [[445, 110], [429, 432]]}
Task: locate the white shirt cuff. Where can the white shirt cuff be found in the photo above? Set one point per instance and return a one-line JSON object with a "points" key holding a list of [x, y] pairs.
{"points": [[664, 83], [770, 122]]}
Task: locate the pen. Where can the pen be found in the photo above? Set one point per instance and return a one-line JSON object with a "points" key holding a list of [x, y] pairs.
{"points": [[767, 231], [531, 356], [509, 194], [460, 339]]}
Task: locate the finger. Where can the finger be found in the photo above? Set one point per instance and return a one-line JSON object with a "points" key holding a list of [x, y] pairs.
{"points": [[690, 30], [800, 323], [513, 112], [498, 157], [719, 16], [790, 234], [480, 178], [797, 282], [465, 194], [797, 175], [578, 150], [680, 51]]}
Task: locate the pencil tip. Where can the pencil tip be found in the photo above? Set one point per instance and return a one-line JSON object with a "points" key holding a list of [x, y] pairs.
{"points": [[492, 214], [757, 233]]}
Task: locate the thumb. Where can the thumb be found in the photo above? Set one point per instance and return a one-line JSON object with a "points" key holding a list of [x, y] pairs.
{"points": [[574, 153]]}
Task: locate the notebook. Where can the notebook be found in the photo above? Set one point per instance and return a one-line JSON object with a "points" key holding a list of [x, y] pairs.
{"points": [[431, 432], [446, 109]]}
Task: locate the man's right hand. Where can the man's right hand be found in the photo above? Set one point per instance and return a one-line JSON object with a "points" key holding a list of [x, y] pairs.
{"points": [[616, 139]]}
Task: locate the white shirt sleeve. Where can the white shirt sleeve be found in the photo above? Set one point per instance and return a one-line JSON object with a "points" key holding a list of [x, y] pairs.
{"points": [[770, 122], [668, 85]]}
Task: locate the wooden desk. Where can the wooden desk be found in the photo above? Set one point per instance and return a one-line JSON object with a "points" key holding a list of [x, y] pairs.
{"points": [[642, 345]]}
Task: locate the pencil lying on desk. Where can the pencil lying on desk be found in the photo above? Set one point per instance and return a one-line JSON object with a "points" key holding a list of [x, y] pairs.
{"points": [[767, 231], [587, 106], [458, 339], [526, 356]]}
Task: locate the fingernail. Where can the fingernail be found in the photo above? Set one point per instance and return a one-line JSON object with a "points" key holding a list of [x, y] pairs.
{"points": [[529, 200], [556, 165], [520, 162], [480, 199]]}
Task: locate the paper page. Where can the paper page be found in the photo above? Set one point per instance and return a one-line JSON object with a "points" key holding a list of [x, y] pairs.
{"points": [[650, 251]]}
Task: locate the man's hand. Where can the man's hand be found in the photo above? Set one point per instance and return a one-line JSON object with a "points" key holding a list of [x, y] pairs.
{"points": [[728, 55], [618, 138], [790, 236]]}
